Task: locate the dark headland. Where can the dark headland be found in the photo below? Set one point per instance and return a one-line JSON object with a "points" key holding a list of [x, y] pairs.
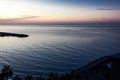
{"points": [[7, 34]]}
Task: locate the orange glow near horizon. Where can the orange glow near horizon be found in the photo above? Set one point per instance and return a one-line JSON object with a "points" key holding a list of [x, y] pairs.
{"points": [[62, 20]]}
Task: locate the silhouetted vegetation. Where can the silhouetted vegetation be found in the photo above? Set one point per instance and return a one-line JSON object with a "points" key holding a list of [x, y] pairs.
{"points": [[96, 70], [87, 74], [7, 73]]}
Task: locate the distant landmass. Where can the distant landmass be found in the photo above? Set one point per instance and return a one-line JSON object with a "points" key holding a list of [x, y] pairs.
{"points": [[7, 34]]}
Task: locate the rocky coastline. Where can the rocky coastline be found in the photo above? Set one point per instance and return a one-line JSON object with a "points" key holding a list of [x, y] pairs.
{"points": [[7, 34]]}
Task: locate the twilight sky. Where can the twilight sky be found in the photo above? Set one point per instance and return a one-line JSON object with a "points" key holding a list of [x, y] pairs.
{"points": [[59, 11]]}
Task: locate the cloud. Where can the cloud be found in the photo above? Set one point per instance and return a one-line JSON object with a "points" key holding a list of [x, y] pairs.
{"points": [[108, 9], [27, 17], [20, 18], [12, 20]]}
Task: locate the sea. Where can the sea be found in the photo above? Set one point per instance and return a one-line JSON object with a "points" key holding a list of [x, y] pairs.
{"points": [[56, 48]]}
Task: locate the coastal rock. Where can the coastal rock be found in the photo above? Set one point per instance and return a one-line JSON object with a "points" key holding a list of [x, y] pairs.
{"points": [[6, 34]]}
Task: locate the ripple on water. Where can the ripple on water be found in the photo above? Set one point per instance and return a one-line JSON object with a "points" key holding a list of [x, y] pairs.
{"points": [[57, 49]]}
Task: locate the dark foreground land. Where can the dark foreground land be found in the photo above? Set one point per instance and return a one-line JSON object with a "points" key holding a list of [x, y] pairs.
{"points": [[6, 34], [105, 68]]}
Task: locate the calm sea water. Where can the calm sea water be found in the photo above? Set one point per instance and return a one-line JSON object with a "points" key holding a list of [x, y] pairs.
{"points": [[56, 49]]}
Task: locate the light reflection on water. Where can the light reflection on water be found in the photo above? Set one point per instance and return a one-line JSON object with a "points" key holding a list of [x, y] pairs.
{"points": [[56, 49]]}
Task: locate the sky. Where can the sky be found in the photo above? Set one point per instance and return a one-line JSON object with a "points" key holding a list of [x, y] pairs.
{"points": [[59, 11]]}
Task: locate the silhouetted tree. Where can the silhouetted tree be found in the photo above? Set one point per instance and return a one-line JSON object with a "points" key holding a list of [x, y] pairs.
{"points": [[87, 77], [29, 77], [78, 77], [62, 77], [7, 72], [39, 78], [72, 71], [17, 78], [68, 76], [1, 76], [53, 76]]}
